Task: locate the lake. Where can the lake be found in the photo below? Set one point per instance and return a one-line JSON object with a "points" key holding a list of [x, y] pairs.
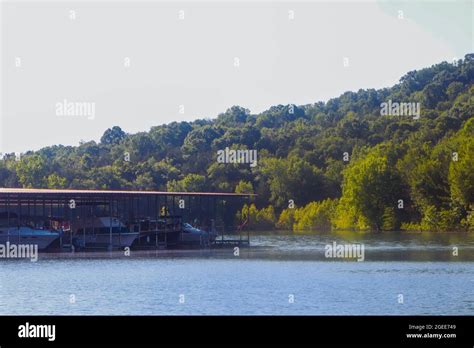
{"points": [[281, 273]]}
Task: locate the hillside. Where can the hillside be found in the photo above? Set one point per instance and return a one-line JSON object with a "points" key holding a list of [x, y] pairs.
{"points": [[344, 163]]}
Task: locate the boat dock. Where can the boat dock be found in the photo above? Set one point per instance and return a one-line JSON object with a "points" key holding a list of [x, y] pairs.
{"points": [[110, 219]]}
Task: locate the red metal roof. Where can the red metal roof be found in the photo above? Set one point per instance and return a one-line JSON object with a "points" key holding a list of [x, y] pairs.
{"points": [[116, 192]]}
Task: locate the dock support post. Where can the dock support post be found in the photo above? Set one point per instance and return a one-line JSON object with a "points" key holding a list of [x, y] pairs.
{"points": [[70, 219], [248, 221], [157, 214], [110, 225], [166, 221]]}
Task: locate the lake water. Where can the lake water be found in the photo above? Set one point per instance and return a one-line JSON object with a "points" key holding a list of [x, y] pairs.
{"points": [[280, 274]]}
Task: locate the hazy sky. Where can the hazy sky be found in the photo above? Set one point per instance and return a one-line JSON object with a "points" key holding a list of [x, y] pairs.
{"points": [[189, 64]]}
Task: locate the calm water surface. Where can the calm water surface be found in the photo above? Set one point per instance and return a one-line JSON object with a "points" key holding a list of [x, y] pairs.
{"points": [[262, 280]]}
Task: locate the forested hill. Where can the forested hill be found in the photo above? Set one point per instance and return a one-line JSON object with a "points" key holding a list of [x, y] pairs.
{"points": [[343, 163]]}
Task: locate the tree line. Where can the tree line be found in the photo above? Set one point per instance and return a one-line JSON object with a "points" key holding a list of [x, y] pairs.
{"points": [[339, 164]]}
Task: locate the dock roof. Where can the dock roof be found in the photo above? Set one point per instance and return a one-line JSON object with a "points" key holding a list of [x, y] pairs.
{"points": [[68, 192]]}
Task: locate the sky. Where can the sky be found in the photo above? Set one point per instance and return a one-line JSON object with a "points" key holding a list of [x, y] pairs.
{"points": [[141, 64]]}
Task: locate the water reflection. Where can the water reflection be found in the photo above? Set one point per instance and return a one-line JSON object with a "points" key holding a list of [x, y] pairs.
{"points": [[389, 246], [284, 245]]}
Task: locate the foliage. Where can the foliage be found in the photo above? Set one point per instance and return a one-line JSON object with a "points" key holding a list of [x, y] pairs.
{"points": [[190, 183], [315, 215], [300, 158]]}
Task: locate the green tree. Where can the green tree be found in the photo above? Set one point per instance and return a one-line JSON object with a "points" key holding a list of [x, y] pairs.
{"points": [[190, 183], [461, 167], [31, 171], [286, 219], [266, 218], [112, 135], [244, 187], [371, 185], [293, 179], [54, 181], [315, 216]]}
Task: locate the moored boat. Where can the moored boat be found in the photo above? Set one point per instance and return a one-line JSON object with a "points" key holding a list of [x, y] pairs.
{"points": [[194, 236], [103, 232], [15, 231], [25, 235]]}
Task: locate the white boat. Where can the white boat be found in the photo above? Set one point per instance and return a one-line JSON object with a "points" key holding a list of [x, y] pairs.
{"points": [[193, 235], [108, 232], [24, 235]]}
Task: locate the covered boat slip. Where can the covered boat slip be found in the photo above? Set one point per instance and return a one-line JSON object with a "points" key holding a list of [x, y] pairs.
{"points": [[87, 219]]}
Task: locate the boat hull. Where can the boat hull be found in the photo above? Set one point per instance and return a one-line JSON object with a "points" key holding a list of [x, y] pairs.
{"points": [[194, 236], [103, 240], [27, 236]]}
